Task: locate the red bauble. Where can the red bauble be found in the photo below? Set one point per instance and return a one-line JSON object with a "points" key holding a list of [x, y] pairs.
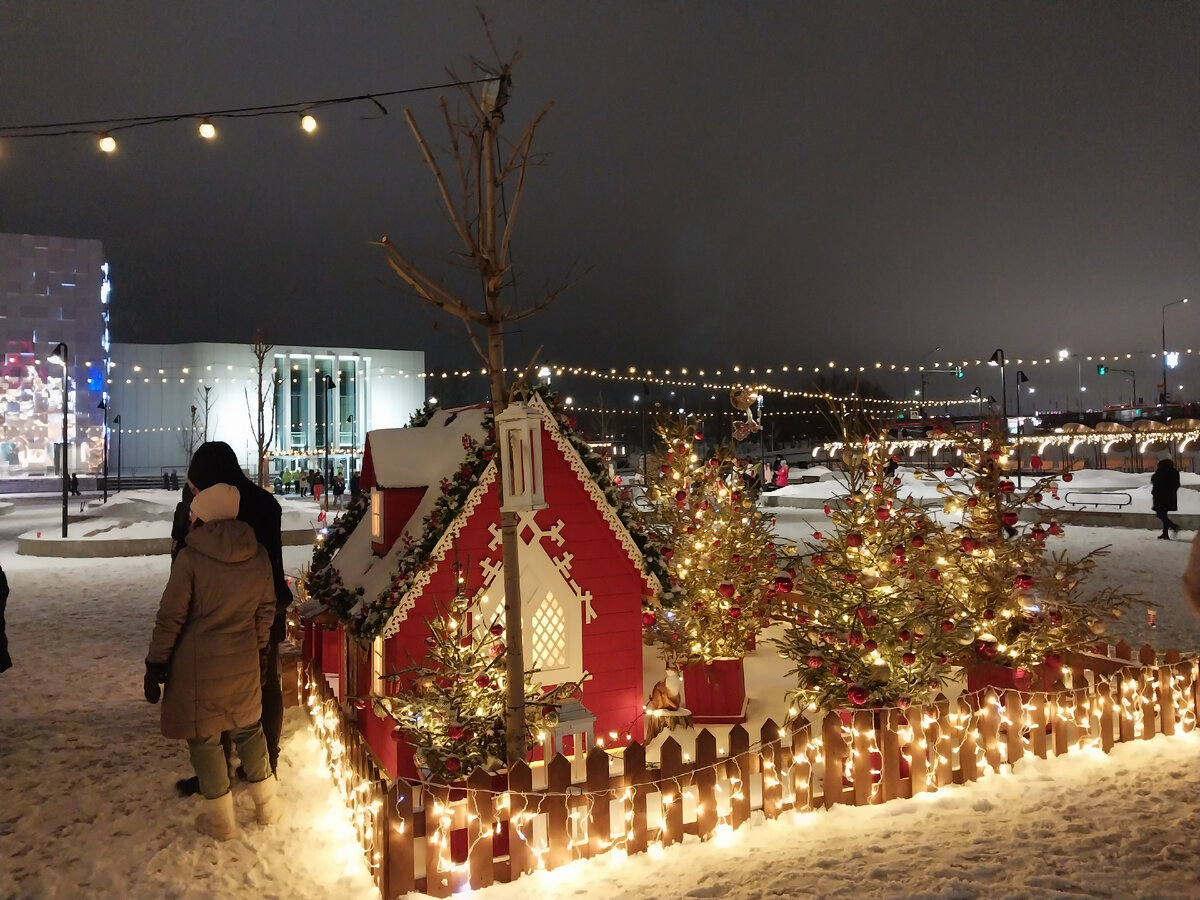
{"points": [[854, 540], [908, 658], [903, 702], [948, 472], [1054, 528], [454, 732], [737, 557], [857, 694], [935, 575], [360, 703], [826, 509], [878, 489], [698, 605], [1007, 487], [735, 611], [1035, 462], [972, 502], [818, 559], [1008, 517], [854, 639], [1067, 477], [668, 554], [883, 514], [849, 578], [699, 435], [483, 680], [987, 649], [680, 496], [497, 630], [814, 661], [968, 545], [783, 584], [452, 763], [947, 625], [648, 619], [1023, 582], [903, 634], [1037, 498], [918, 542], [989, 614], [870, 645], [817, 536], [725, 589], [1054, 617]]}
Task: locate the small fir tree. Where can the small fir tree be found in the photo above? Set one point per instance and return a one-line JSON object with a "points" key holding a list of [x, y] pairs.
{"points": [[1018, 605], [452, 707], [867, 623], [719, 552]]}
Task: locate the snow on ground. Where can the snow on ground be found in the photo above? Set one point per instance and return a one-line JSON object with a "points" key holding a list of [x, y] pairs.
{"points": [[87, 807]]}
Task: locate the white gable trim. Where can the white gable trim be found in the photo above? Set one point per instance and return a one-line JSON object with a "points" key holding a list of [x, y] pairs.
{"points": [[601, 502], [444, 545]]}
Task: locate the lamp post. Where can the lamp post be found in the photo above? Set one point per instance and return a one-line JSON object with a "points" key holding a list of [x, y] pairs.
{"points": [[59, 355], [997, 359], [1162, 397], [117, 422], [1067, 354], [978, 395], [353, 440], [327, 383], [104, 449], [762, 452], [1022, 378]]}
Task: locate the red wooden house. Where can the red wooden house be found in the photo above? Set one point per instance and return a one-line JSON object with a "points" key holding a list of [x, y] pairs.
{"points": [[582, 575]]}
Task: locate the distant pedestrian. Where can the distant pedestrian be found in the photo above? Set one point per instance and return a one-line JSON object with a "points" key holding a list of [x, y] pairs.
{"points": [[287, 481], [318, 485], [1164, 493], [781, 472], [355, 488], [74, 485], [166, 482], [302, 482], [174, 480], [339, 488]]}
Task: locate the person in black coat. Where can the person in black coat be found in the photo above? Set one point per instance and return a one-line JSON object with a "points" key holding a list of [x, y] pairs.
{"points": [[215, 462], [5, 659], [1164, 492]]}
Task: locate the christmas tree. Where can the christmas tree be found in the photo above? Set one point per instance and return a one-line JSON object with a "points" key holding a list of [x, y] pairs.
{"points": [[719, 552], [452, 707], [868, 623], [1018, 605]]}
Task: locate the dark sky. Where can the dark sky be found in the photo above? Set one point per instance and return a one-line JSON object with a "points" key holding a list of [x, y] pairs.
{"points": [[763, 184]]}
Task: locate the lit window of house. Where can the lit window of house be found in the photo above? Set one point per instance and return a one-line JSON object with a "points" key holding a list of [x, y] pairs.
{"points": [[376, 515], [377, 682]]}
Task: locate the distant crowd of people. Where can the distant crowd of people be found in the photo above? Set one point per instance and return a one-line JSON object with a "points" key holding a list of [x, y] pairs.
{"points": [[303, 481]]}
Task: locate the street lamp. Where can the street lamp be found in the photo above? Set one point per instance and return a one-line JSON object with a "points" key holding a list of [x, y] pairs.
{"points": [[104, 449], [353, 440], [998, 359], [327, 383], [117, 422], [1022, 378], [978, 395], [1162, 398], [1067, 354], [59, 355]]}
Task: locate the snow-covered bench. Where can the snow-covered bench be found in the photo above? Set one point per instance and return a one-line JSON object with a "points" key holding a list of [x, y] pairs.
{"points": [[1097, 498]]}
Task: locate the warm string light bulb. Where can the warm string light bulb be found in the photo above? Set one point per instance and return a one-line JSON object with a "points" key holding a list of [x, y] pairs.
{"points": [[107, 143], [208, 131], [308, 122]]}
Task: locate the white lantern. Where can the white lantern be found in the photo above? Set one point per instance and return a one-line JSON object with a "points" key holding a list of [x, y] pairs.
{"points": [[519, 429]]}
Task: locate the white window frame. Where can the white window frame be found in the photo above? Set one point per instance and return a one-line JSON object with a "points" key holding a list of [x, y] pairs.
{"points": [[376, 514], [378, 685]]}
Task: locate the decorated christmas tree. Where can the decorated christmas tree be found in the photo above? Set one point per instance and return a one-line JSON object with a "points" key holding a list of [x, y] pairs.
{"points": [[719, 553], [1018, 605], [452, 706], [868, 623]]}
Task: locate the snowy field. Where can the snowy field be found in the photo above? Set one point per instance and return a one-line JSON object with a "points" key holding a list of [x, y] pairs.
{"points": [[88, 810]]}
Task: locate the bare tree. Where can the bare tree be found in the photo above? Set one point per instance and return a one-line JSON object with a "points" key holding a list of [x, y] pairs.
{"points": [[187, 436], [262, 425], [482, 205], [204, 396]]}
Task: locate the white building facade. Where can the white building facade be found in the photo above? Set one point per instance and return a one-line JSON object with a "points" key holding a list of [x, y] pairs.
{"points": [[319, 403]]}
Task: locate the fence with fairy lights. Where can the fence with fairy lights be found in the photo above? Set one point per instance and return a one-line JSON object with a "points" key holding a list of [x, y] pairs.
{"points": [[440, 839]]}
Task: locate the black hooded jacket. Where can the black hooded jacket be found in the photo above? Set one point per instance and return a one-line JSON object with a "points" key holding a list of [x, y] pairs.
{"points": [[214, 462]]}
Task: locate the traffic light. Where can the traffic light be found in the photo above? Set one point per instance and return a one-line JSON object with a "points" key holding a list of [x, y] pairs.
{"points": [[1101, 369]]}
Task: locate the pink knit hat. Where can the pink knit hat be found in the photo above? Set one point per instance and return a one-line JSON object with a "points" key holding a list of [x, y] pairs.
{"points": [[221, 501]]}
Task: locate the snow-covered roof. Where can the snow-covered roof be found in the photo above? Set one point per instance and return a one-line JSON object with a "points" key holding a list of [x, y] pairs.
{"points": [[417, 457]]}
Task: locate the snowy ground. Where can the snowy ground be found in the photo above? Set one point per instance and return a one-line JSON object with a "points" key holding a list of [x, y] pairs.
{"points": [[87, 808]]}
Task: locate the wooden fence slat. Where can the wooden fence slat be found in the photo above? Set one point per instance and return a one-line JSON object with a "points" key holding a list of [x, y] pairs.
{"points": [[918, 762], [598, 787], [833, 751], [963, 737], [1166, 700], [398, 875], [1147, 656], [772, 770], [1123, 685], [479, 829], [1058, 725], [989, 728], [1039, 718], [670, 756], [705, 781], [1104, 714], [1081, 703], [943, 747], [861, 733], [636, 832], [803, 752], [1123, 650], [1014, 712], [1146, 689], [738, 771], [889, 752], [437, 855], [520, 831], [557, 807]]}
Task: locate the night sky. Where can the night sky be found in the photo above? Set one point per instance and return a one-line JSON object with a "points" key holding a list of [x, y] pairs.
{"points": [[756, 184]]}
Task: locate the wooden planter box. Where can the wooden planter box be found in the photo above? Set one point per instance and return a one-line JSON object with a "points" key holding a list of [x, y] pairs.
{"points": [[716, 692]]}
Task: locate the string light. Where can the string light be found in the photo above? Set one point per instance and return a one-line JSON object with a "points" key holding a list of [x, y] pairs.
{"points": [[308, 122], [208, 131]]}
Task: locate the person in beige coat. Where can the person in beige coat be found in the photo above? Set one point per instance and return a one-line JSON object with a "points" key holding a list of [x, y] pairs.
{"points": [[214, 617], [1191, 578]]}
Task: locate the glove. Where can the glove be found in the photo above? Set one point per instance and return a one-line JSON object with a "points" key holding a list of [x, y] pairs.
{"points": [[156, 674]]}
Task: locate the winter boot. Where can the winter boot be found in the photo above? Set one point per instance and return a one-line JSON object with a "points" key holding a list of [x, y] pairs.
{"points": [[267, 808], [217, 820]]}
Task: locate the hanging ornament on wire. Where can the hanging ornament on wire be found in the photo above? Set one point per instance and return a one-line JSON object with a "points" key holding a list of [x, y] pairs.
{"points": [[743, 400]]}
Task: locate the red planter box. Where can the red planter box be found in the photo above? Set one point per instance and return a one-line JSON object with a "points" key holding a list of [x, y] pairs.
{"points": [[715, 692]]}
